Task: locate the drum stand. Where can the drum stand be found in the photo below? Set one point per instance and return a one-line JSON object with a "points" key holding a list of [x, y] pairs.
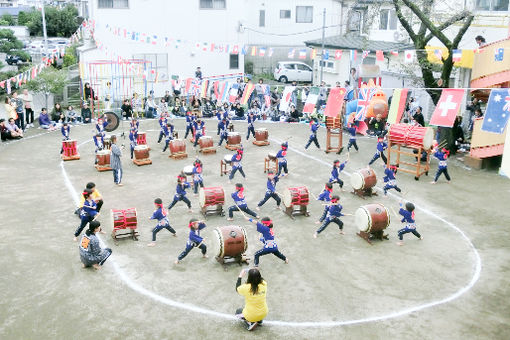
{"points": [[224, 170], [216, 210], [232, 259], [334, 130], [294, 210], [232, 147], [133, 234], [102, 168], [139, 162], [268, 166], [417, 169], [364, 192], [379, 235]]}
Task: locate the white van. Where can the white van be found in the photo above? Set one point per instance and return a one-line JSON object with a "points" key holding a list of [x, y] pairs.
{"points": [[286, 71]]}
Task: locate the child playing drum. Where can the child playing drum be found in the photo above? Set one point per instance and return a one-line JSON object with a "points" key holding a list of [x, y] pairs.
{"points": [[88, 212], [314, 126], [352, 137], [168, 131], [161, 215], [325, 196], [265, 227], [333, 215], [381, 146], [272, 179], [442, 168], [198, 180], [407, 217], [282, 160], [239, 203], [389, 179], [194, 239], [236, 164], [180, 192], [335, 172], [223, 131], [251, 129]]}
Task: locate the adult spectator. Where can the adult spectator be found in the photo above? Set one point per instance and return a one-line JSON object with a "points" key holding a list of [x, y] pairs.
{"points": [[254, 292], [108, 95], [353, 78], [377, 126], [239, 112], [418, 116], [259, 89], [86, 114], [17, 103], [4, 131], [480, 40], [127, 109], [115, 162], [71, 115], [44, 120], [28, 101], [91, 253], [198, 73], [89, 92], [150, 107], [9, 108], [294, 95], [15, 131], [136, 104], [294, 114], [167, 97], [323, 95], [57, 114], [478, 114]]}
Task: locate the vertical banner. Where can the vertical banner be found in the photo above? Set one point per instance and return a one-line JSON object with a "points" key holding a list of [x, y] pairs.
{"points": [[335, 102], [398, 104], [287, 93], [248, 89], [311, 100], [447, 107]]}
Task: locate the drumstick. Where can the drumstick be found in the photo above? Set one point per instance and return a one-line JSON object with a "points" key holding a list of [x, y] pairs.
{"points": [[314, 196], [394, 212], [242, 212]]}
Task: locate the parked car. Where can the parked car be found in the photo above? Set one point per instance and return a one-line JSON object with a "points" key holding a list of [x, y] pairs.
{"points": [[286, 71], [16, 59]]}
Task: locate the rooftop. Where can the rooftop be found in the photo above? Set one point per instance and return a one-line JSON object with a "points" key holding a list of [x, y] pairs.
{"points": [[357, 42]]}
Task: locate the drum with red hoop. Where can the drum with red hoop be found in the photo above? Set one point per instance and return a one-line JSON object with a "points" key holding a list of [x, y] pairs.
{"points": [[363, 179], [124, 218], [205, 142], [103, 158], [211, 196], [296, 196], [261, 135], [141, 152], [398, 133], [69, 148], [372, 218], [233, 138], [177, 146], [141, 139], [232, 241], [420, 137]]}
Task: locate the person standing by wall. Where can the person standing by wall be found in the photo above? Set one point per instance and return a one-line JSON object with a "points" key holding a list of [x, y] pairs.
{"points": [[28, 101], [18, 107]]}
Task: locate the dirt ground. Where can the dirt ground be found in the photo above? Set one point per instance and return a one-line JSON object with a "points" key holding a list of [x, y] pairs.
{"points": [[451, 285]]}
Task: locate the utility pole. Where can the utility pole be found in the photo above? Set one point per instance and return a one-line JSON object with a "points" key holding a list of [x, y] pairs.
{"points": [[323, 37], [45, 37]]}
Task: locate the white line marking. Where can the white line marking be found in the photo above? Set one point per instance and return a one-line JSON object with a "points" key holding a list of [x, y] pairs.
{"points": [[136, 287]]}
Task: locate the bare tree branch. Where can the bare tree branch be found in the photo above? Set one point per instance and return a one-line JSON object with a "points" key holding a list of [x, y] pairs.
{"points": [[425, 20], [427, 6], [462, 31], [407, 26], [457, 17]]}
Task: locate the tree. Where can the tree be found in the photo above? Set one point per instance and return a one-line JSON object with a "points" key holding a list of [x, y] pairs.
{"points": [[8, 42], [59, 22], [7, 20], [49, 81], [422, 12]]}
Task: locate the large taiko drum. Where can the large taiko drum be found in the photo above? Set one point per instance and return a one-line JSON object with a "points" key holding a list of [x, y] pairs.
{"points": [[420, 137], [398, 133], [69, 148], [363, 179], [296, 196], [141, 139], [261, 135], [188, 170], [211, 196], [205, 142], [124, 218], [372, 217], [227, 159], [272, 156], [233, 138], [177, 146], [141, 152], [103, 158], [231, 241]]}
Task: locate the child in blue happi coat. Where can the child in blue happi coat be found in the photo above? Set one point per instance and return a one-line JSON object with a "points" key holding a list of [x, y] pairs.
{"points": [[408, 218], [265, 228], [161, 215], [194, 239]]}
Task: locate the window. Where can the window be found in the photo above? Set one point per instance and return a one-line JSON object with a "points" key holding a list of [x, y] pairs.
{"points": [[302, 67], [213, 4], [289, 66], [304, 14], [388, 20], [492, 5], [234, 62], [157, 62], [262, 18], [354, 21], [285, 14], [113, 4], [327, 64]]}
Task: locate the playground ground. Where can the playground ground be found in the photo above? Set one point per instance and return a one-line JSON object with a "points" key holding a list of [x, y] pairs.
{"points": [[451, 285]]}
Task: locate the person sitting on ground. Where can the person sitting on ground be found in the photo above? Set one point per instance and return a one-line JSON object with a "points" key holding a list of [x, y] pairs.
{"points": [[15, 131], [86, 114], [294, 115], [72, 116], [91, 254], [254, 292], [4, 131], [239, 112], [45, 122], [57, 114], [377, 125], [9, 108]]}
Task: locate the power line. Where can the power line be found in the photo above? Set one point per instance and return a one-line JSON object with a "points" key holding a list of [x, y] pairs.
{"points": [[289, 34]]}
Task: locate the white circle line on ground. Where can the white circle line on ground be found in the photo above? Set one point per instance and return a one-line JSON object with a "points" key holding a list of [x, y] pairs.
{"points": [[141, 290]]}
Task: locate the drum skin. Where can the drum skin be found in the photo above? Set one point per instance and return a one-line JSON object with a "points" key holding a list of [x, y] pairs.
{"points": [[103, 157], [211, 196], [113, 121], [227, 159], [261, 135], [177, 146], [296, 196], [363, 179], [233, 138], [272, 156], [141, 152], [188, 170], [205, 142], [232, 241], [372, 217]]}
